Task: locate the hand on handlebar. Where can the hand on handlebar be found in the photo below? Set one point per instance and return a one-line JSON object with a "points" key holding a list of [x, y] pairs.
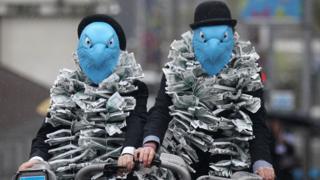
{"points": [[266, 173], [146, 154], [125, 161], [28, 164]]}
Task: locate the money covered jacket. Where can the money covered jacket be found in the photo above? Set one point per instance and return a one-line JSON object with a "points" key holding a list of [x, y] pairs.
{"points": [[134, 129], [159, 118]]}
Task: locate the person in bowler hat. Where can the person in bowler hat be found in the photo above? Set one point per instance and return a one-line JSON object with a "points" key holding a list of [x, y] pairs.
{"points": [[212, 42], [101, 45]]}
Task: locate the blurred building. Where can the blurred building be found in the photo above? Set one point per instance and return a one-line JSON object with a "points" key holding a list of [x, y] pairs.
{"points": [[38, 37]]}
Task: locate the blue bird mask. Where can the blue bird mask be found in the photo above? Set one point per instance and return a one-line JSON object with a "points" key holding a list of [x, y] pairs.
{"points": [[98, 51], [213, 47]]}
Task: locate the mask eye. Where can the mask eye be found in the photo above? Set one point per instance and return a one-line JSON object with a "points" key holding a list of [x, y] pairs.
{"points": [[110, 43], [225, 36], [87, 42], [202, 37]]}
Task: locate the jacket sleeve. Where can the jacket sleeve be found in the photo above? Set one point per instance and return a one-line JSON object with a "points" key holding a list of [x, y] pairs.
{"points": [[39, 147], [260, 145], [158, 117], [136, 120]]}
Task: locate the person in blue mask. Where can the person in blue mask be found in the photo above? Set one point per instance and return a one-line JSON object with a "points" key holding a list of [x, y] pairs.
{"points": [[209, 109], [213, 47], [98, 49], [100, 107]]}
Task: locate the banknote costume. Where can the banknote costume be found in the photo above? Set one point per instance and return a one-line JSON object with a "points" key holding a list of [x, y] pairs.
{"points": [[98, 110], [209, 109]]}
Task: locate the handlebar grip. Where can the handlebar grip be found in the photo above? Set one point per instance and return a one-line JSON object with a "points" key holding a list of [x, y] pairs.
{"points": [[156, 162], [110, 169]]}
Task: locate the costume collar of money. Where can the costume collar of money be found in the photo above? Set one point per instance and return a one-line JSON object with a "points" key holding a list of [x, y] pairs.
{"points": [[91, 117], [204, 105]]}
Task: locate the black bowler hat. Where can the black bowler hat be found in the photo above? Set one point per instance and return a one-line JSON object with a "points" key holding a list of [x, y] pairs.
{"points": [[107, 19], [212, 13]]}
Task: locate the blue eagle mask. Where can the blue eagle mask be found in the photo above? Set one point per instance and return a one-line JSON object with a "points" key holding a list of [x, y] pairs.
{"points": [[98, 51], [213, 47]]}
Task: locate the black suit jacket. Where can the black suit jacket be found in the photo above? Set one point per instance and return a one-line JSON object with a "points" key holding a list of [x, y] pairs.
{"points": [[134, 130], [159, 119]]}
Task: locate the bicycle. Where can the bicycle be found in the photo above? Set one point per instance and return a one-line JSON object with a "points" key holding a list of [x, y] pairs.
{"points": [[172, 162]]}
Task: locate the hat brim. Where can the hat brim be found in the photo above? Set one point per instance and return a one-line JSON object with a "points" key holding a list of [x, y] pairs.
{"points": [[211, 22], [107, 19]]}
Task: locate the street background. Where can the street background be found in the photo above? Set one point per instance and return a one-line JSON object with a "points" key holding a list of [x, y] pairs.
{"points": [[38, 37]]}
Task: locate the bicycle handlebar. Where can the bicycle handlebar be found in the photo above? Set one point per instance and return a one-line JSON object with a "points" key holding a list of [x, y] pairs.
{"points": [[170, 161], [176, 164], [88, 171], [240, 175]]}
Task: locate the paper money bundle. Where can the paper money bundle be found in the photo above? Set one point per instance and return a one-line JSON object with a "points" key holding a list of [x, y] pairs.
{"points": [[90, 118], [208, 111]]}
